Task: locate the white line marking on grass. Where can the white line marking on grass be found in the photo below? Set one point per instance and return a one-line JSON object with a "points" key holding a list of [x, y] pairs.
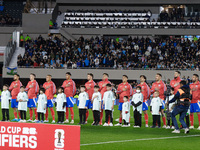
{"points": [[161, 138]]}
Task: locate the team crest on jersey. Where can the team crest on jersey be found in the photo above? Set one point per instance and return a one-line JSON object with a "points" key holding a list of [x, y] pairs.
{"points": [[159, 85], [125, 86], [196, 85]]}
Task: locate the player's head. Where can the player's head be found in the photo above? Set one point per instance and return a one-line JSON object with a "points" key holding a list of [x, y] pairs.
{"points": [[195, 78], [158, 77], [16, 77], [125, 98], [22, 88], [182, 83], [82, 88], [124, 78], [177, 74], [172, 91], [48, 78], [5, 87], [96, 88], [108, 87], [42, 90], [156, 93], [60, 89], [143, 78], [105, 76], [32, 76], [138, 89], [90, 76], [68, 75]]}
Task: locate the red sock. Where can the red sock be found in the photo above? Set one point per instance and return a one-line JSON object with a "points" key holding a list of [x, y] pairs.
{"points": [[36, 116], [101, 116], [87, 114], [199, 118], [146, 118], [19, 114], [72, 113], [15, 114], [31, 113], [47, 114], [67, 113], [52, 113], [192, 119], [164, 120], [120, 120]]}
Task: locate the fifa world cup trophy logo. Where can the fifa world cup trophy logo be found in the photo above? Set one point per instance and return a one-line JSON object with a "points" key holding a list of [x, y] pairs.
{"points": [[59, 137]]}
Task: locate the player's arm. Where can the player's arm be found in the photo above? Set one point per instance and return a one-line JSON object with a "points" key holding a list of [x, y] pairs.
{"points": [[119, 90], [11, 87], [27, 87], [54, 88]]}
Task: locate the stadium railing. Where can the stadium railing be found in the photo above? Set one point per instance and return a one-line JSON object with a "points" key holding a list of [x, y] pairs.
{"points": [[9, 51]]}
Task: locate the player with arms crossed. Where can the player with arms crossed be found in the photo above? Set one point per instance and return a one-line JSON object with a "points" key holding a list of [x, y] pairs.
{"points": [[102, 89], [50, 88], [124, 89], [195, 106], [160, 86], [90, 90], [33, 89], [15, 89], [69, 90]]}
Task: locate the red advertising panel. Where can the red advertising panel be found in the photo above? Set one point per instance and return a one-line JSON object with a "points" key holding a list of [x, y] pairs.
{"points": [[21, 136]]}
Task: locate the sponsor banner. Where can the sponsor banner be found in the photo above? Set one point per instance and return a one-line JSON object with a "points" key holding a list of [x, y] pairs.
{"points": [[33, 136]]}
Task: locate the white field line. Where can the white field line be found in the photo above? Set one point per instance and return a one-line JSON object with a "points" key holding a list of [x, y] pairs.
{"points": [[147, 139]]}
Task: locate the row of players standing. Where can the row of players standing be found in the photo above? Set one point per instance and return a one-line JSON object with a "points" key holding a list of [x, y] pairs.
{"points": [[124, 89]]}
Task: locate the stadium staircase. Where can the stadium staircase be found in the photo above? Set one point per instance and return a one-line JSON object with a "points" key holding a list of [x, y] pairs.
{"points": [[13, 62]]}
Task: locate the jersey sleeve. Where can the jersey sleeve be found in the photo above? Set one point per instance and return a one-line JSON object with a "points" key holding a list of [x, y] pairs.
{"points": [[131, 90], [54, 88], [74, 88], [113, 97], [27, 87], [36, 88], [100, 97], [142, 97], [11, 87], [119, 90]]}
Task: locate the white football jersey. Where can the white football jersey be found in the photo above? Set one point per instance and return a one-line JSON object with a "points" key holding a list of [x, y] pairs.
{"points": [[108, 99], [22, 105], [60, 99], [42, 103], [83, 97], [96, 101], [5, 97]]}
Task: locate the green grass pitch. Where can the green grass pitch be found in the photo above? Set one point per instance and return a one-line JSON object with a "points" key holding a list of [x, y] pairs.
{"points": [[120, 138]]}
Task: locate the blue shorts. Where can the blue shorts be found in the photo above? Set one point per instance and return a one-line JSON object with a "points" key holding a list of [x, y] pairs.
{"points": [[163, 105], [120, 106], [194, 107], [14, 103], [144, 106], [50, 103], [32, 102], [89, 104], [69, 102]]}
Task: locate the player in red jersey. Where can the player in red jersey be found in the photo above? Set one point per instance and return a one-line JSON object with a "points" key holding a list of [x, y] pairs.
{"points": [[90, 90], [33, 89], [69, 90], [50, 88], [124, 89], [195, 102], [160, 86], [146, 92], [175, 83], [15, 89], [102, 89]]}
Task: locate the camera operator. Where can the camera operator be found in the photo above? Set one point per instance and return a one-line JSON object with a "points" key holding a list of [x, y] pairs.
{"points": [[183, 102]]}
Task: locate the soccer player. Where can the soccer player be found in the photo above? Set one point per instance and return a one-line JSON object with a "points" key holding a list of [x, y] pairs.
{"points": [[69, 90], [5, 97], [42, 104], [60, 104], [175, 83], [160, 86], [82, 104], [90, 90], [15, 89], [124, 89], [195, 106], [146, 92], [108, 101], [137, 101], [33, 89], [156, 104], [96, 105], [102, 89], [50, 88], [126, 111], [22, 98]]}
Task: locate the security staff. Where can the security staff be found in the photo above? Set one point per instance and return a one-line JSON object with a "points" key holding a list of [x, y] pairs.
{"points": [[183, 102]]}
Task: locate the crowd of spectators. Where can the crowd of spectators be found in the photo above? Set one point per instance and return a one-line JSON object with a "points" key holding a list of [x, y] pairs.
{"points": [[8, 20], [99, 52]]}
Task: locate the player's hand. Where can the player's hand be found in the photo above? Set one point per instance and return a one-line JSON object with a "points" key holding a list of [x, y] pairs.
{"points": [[63, 107], [176, 84], [112, 107], [56, 107], [67, 85], [15, 86], [20, 100], [44, 108], [151, 112], [156, 89], [47, 87], [85, 107], [30, 86], [78, 107], [88, 87], [95, 97], [124, 89], [193, 89], [170, 109], [104, 85]]}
